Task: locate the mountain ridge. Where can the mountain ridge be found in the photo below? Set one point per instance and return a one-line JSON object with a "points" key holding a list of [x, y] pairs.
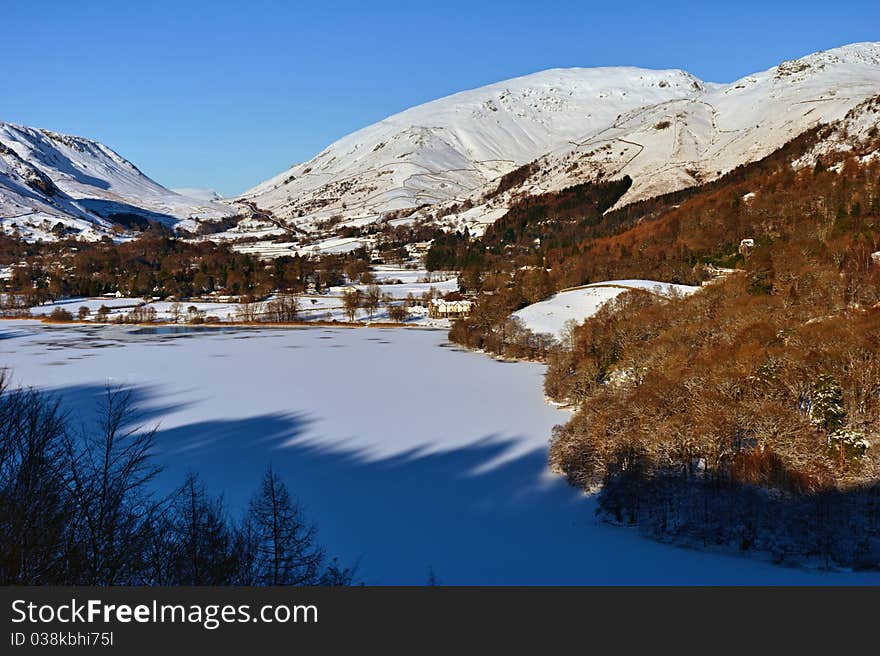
{"points": [[441, 161], [49, 178], [451, 153]]}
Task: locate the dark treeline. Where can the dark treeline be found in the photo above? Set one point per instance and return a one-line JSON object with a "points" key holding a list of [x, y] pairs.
{"points": [[532, 226], [556, 219], [829, 527], [158, 264], [77, 507]]}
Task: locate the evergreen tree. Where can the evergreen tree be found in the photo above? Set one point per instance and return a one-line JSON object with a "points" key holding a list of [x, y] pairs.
{"points": [[286, 552], [826, 409]]}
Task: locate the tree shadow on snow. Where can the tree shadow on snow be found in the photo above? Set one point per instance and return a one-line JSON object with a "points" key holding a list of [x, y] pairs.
{"points": [[480, 514]]}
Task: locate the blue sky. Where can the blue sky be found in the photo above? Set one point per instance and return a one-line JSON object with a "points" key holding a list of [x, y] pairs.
{"points": [[225, 94]]}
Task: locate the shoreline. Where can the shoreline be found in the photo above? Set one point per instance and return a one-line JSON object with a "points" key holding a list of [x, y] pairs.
{"points": [[231, 324]]}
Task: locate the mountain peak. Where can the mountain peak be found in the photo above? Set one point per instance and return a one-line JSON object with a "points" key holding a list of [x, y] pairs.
{"points": [[666, 128]]}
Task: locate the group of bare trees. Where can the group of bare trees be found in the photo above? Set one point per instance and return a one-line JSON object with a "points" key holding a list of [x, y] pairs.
{"points": [[370, 300], [78, 506], [282, 308]]}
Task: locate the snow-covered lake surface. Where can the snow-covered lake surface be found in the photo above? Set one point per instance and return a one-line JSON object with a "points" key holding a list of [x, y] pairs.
{"points": [[410, 454]]}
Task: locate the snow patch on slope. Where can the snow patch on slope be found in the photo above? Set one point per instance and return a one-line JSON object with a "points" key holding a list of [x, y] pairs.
{"points": [[204, 195], [551, 315]]}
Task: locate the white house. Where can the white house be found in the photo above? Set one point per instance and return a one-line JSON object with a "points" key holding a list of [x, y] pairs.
{"points": [[440, 309]]}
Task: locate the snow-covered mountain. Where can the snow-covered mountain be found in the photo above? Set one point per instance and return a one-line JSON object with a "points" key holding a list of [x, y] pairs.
{"points": [[666, 129], [685, 142], [48, 178], [445, 149]]}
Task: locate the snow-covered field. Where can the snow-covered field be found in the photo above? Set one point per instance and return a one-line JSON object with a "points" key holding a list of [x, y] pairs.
{"points": [[551, 315], [396, 282], [411, 455], [404, 289], [324, 307], [116, 306]]}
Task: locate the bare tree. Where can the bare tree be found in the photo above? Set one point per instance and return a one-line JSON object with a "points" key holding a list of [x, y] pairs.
{"points": [[34, 503], [111, 470], [371, 299], [284, 308], [351, 301], [141, 314], [76, 508], [176, 311], [397, 313], [202, 550], [248, 309]]}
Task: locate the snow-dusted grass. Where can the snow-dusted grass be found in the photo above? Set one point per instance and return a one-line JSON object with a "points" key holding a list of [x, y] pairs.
{"points": [[121, 306], [117, 305], [313, 307], [402, 290], [551, 315], [409, 453], [385, 272]]}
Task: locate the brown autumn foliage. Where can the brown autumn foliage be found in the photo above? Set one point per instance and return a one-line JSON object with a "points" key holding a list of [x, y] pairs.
{"points": [[730, 369], [722, 386], [821, 210], [749, 412]]}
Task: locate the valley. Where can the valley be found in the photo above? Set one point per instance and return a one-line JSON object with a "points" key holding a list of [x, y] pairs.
{"points": [[413, 457], [502, 337]]}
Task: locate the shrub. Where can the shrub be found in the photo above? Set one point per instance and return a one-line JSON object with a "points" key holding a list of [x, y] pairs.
{"points": [[60, 314]]}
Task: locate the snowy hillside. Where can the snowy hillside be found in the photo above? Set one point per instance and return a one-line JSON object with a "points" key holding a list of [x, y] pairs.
{"points": [[686, 142], [48, 178], [447, 148], [550, 316], [666, 129], [204, 195]]}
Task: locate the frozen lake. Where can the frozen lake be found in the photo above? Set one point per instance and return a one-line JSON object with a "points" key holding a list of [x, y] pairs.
{"points": [[410, 454]]}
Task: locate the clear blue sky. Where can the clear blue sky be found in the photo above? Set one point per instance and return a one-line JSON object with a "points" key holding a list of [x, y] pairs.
{"points": [[225, 94]]}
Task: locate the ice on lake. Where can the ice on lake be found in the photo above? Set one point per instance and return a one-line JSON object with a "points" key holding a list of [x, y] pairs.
{"points": [[411, 455]]}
